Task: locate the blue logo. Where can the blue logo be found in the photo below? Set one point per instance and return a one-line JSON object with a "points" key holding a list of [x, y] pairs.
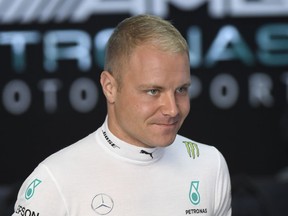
{"points": [[194, 194], [31, 188]]}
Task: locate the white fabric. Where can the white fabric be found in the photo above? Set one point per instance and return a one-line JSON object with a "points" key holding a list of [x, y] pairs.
{"points": [[102, 175]]}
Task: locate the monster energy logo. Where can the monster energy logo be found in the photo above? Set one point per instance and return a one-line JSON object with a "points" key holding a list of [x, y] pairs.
{"points": [[192, 149], [31, 188]]}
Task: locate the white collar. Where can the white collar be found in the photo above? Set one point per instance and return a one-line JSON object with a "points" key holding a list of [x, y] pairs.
{"points": [[126, 150]]}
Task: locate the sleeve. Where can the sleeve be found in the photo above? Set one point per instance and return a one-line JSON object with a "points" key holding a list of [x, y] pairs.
{"points": [[223, 195], [40, 195]]}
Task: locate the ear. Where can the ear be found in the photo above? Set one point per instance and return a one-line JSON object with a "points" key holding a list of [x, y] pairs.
{"points": [[109, 86]]}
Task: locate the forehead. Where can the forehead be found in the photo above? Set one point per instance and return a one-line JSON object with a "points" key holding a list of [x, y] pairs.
{"points": [[148, 62]]}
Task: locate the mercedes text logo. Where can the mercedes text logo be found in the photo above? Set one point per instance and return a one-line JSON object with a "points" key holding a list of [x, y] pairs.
{"points": [[102, 204]]}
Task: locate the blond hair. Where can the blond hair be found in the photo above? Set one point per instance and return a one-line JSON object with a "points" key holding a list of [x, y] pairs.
{"points": [[139, 30]]}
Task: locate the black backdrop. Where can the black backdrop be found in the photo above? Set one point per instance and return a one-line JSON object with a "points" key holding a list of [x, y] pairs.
{"points": [[239, 64]]}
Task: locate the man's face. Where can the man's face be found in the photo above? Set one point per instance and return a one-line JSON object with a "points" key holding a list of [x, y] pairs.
{"points": [[153, 101]]}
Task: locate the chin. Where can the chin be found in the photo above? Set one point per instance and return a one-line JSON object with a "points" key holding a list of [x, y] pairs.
{"points": [[167, 143]]}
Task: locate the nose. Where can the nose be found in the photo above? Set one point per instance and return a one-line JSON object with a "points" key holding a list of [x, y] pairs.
{"points": [[169, 105]]}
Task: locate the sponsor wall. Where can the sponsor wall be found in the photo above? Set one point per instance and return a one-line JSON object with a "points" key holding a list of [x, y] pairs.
{"points": [[52, 54]]}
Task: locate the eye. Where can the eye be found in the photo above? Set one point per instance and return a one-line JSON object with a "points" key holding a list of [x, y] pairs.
{"points": [[153, 91], [182, 90]]}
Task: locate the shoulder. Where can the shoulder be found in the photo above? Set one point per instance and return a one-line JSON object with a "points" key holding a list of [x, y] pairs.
{"points": [[187, 149], [72, 152], [188, 145]]}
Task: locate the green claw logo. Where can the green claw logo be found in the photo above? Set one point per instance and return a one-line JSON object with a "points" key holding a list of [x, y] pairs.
{"points": [[31, 188], [192, 149]]}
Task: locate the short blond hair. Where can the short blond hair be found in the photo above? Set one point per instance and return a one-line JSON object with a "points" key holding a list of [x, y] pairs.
{"points": [[138, 30]]}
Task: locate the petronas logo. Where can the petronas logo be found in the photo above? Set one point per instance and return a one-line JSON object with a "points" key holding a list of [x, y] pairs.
{"points": [[31, 188], [192, 149], [194, 194]]}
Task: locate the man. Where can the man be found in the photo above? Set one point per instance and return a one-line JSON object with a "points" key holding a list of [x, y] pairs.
{"points": [[135, 163]]}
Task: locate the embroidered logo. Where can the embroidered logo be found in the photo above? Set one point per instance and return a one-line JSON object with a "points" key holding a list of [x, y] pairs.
{"points": [[102, 204], [31, 188], [192, 149], [109, 141], [194, 194], [148, 153]]}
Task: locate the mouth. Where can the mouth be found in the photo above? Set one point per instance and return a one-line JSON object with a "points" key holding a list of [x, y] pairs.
{"points": [[167, 125]]}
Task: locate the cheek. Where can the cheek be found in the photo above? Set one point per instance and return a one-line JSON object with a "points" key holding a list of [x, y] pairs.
{"points": [[132, 105], [145, 109], [185, 107], [142, 107]]}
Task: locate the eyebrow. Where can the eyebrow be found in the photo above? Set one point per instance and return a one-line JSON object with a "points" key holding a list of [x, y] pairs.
{"points": [[154, 86], [145, 86], [187, 84]]}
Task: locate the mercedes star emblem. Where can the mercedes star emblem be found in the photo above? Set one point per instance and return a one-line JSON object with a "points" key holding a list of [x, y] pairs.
{"points": [[102, 204]]}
